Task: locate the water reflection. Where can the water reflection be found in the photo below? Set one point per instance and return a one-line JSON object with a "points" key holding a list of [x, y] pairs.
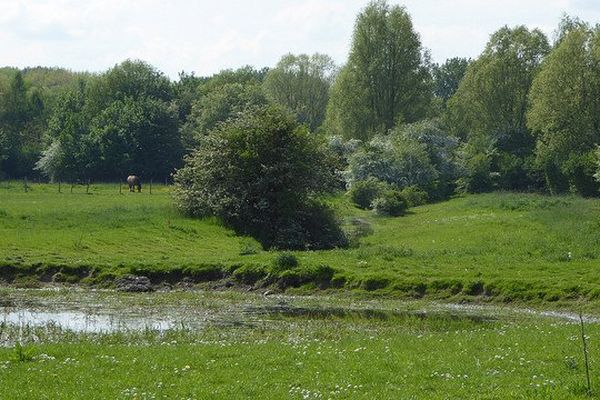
{"points": [[79, 321]]}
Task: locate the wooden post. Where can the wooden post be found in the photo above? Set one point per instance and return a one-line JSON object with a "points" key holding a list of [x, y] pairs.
{"points": [[120, 190], [59, 186], [87, 189], [150, 185], [25, 184], [72, 187]]}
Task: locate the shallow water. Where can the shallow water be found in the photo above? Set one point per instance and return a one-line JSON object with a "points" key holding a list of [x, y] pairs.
{"points": [[89, 312], [78, 321]]}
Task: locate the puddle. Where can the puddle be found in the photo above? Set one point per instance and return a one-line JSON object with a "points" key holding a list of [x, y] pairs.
{"points": [[78, 321]]}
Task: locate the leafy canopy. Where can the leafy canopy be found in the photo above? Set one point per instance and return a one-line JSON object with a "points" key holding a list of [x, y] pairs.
{"points": [[261, 174], [386, 80]]}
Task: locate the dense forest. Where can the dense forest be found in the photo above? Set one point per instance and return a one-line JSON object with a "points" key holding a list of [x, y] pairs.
{"points": [[524, 115]]}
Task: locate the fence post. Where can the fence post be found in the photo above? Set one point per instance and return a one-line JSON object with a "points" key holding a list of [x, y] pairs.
{"points": [[120, 184], [87, 189], [59, 186], [150, 185], [25, 184]]}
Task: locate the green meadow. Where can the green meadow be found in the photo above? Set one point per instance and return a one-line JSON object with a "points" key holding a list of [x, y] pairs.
{"points": [[505, 247]]}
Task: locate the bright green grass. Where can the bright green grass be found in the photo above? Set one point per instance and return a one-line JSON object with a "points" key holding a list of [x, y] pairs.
{"points": [[512, 357], [505, 246]]}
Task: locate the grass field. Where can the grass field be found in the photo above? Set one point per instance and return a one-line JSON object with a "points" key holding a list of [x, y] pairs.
{"points": [[388, 354], [500, 246]]}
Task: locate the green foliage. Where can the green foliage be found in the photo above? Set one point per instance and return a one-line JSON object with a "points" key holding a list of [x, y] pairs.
{"points": [[120, 123], [137, 136], [362, 193], [441, 149], [491, 103], [71, 155], [220, 105], [260, 173], [414, 196], [133, 79], [475, 163], [284, 262], [396, 160], [386, 80], [250, 274], [216, 99], [390, 203], [565, 110], [22, 124], [447, 77], [21, 353], [301, 84]]}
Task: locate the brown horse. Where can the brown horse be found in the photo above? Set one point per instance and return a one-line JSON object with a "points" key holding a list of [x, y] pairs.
{"points": [[134, 181]]}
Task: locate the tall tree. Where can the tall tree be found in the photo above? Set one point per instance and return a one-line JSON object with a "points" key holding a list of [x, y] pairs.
{"points": [[221, 97], [21, 121], [301, 84], [138, 137], [565, 110], [447, 77], [72, 154], [131, 79], [386, 80], [490, 104]]}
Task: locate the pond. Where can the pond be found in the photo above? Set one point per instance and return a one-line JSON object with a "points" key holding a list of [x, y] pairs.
{"points": [[83, 311]]}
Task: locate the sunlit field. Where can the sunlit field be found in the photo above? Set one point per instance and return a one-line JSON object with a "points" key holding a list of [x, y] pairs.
{"points": [[499, 246]]}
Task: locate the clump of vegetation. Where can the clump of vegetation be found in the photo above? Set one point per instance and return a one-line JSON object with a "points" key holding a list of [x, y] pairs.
{"points": [[261, 174], [22, 353], [248, 247], [250, 273], [362, 193], [357, 228], [391, 204], [414, 196], [284, 262]]}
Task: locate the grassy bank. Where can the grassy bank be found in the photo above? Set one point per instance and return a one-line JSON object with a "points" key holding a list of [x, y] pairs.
{"points": [[500, 246]]}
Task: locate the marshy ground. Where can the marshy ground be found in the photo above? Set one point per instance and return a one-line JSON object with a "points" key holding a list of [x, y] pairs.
{"points": [[199, 344]]}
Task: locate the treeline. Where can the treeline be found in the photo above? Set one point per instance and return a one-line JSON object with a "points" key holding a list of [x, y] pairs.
{"points": [[524, 115]]}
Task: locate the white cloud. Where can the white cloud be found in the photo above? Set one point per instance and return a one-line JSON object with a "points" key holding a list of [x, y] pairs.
{"points": [[206, 36]]}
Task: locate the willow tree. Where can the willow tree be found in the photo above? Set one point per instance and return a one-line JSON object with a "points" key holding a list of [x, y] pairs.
{"points": [[565, 111], [301, 84], [491, 103], [386, 80]]}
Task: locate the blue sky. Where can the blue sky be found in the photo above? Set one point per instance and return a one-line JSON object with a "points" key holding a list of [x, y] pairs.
{"points": [[207, 36]]}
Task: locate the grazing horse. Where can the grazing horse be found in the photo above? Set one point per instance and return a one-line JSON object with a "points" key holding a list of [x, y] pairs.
{"points": [[134, 181]]}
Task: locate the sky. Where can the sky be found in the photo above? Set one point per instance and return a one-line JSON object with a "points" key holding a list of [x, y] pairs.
{"points": [[207, 36]]}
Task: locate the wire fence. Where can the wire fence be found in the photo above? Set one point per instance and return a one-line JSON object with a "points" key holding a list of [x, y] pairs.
{"points": [[88, 186]]}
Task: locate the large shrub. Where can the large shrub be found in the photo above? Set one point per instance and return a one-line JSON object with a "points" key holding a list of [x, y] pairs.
{"points": [[362, 193], [390, 204], [261, 174], [396, 160], [414, 196]]}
